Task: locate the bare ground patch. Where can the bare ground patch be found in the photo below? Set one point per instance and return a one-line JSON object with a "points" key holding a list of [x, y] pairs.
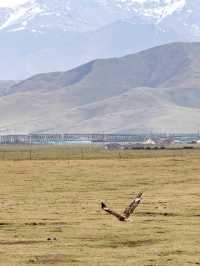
{"points": [[53, 259]]}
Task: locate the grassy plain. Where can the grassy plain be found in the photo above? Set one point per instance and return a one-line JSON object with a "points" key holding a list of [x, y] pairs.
{"points": [[50, 212]]}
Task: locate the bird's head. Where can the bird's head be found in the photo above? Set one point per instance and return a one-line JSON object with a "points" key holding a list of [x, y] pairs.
{"points": [[103, 205], [139, 195]]}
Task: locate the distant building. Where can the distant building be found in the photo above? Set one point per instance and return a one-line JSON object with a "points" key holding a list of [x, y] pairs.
{"points": [[149, 142], [113, 146], [165, 142]]}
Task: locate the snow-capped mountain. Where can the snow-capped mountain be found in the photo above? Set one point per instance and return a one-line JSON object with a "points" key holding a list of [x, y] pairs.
{"points": [[186, 22], [43, 35], [84, 15]]}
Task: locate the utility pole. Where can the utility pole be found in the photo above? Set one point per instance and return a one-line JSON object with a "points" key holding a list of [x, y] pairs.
{"points": [[30, 151]]}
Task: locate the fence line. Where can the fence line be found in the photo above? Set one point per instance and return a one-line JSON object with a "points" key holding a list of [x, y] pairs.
{"points": [[47, 139]]}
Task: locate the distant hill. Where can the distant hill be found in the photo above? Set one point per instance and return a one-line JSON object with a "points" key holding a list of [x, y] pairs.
{"points": [[172, 65], [44, 36], [25, 53], [154, 90], [5, 85]]}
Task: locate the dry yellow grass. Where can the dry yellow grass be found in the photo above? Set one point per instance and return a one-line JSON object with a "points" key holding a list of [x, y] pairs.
{"points": [[60, 200]]}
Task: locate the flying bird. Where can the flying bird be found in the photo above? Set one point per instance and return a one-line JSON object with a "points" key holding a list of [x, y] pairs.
{"points": [[127, 212]]}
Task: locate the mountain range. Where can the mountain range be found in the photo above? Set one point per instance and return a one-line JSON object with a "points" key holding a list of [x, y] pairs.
{"points": [[153, 90], [57, 35]]}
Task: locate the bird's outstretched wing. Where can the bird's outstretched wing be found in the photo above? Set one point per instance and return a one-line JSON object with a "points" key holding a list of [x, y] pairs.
{"points": [[117, 215], [132, 206]]}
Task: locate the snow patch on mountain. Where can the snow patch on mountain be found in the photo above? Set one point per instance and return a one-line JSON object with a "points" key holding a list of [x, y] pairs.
{"points": [[12, 3], [169, 8], [21, 15], [157, 9]]}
